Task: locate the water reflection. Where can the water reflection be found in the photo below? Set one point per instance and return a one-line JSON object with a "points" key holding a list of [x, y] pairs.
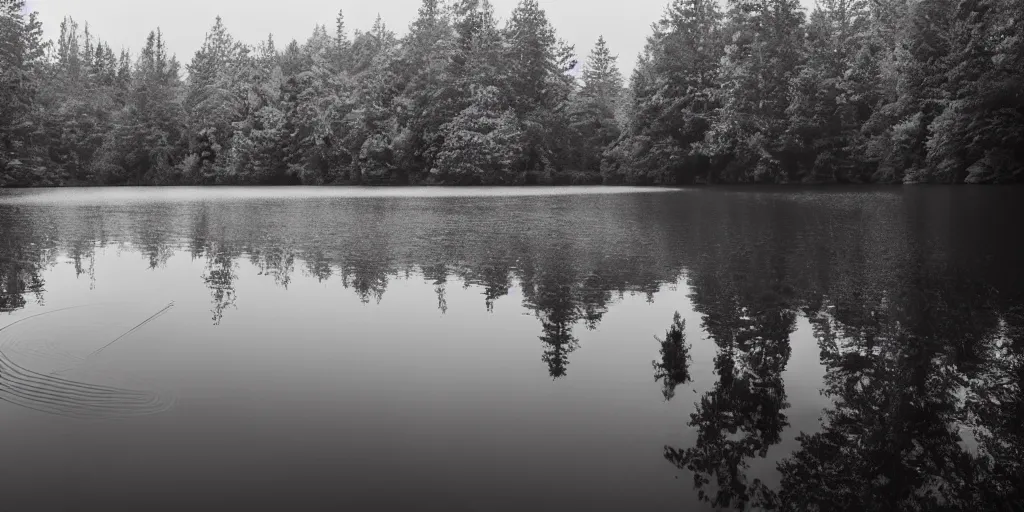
{"points": [[22, 262], [917, 315], [674, 368], [747, 311], [562, 300], [567, 280], [53, 393], [916, 401]]}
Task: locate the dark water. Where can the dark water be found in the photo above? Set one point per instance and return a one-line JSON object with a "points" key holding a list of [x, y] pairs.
{"points": [[496, 350]]}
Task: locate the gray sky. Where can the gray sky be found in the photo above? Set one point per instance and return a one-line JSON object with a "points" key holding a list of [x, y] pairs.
{"points": [[125, 23]]}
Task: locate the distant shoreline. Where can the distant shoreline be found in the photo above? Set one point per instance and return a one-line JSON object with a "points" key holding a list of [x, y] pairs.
{"points": [[829, 184]]}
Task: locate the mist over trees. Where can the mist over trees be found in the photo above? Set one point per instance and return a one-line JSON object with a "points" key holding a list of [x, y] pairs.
{"points": [[891, 91]]}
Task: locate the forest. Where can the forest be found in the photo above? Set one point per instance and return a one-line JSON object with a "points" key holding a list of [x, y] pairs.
{"points": [[749, 91]]}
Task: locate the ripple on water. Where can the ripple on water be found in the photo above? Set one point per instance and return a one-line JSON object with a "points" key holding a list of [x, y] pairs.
{"points": [[22, 382]]}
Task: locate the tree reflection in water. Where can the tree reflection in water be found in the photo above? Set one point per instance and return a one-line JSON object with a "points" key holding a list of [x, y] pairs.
{"points": [[919, 325], [922, 388], [746, 313], [674, 368], [24, 257]]}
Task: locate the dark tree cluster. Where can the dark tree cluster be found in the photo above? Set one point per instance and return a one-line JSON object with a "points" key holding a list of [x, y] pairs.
{"points": [[889, 91], [459, 99]]}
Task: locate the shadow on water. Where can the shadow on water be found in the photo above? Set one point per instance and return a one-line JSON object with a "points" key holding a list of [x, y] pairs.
{"points": [[917, 312]]}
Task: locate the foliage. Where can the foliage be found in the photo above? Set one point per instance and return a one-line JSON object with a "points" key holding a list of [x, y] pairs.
{"points": [[883, 91]]}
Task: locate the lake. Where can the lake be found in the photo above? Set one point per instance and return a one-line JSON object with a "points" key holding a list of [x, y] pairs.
{"points": [[851, 348]]}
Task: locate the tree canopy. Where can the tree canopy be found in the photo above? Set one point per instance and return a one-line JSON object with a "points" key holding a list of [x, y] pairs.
{"points": [[891, 91]]}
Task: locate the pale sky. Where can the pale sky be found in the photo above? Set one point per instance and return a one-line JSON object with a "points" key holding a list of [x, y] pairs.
{"points": [[184, 23]]}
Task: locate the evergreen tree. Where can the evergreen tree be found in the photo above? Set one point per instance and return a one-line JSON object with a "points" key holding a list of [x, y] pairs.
{"points": [[322, 100], [482, 144], [602, 80], [979, 135], [592, 111], [81, 103], [921, 61], [22, 74], [828, 107], [476, 58], [342, 44], [539, 86], [429, 96], [68, 54], [885, 91], [760, 60], [256, 154], [371, 126], [145, 144], [673, 92], [212, 103]]}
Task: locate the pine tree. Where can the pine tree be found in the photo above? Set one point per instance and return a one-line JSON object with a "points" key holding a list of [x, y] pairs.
{"points": [[886, 90], [674, 97], [532, 54], [322, 100], [482, 144], [760, 60], [828, 108], [539, 87], [342, 44], [897, 130], [602, 80], [429, 97], [145, 144], [979, 134], [88, 50], [212, 103], [68, 54], [21, 76], [367, 133], [922, 62], [592, 112], [478, 48]]}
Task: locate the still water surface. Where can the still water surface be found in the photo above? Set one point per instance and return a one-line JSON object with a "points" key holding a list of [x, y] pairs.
{"points": [[507, 350]]}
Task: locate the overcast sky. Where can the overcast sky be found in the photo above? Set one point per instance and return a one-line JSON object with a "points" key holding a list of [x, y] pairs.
{"points": [[125, 23]]}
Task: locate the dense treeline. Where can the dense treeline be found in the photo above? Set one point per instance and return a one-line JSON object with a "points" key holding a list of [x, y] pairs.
{"points": [[886, 91], [752, 91]]}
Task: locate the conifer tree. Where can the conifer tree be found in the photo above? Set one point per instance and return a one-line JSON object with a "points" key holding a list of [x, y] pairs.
{"points": [[761, 59], [828, 107], [22, 68], [674, 95], [881, 91], [592, 112]]}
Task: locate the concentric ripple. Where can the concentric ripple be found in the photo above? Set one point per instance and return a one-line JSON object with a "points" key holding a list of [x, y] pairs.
{"points": [[60, 396]]}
